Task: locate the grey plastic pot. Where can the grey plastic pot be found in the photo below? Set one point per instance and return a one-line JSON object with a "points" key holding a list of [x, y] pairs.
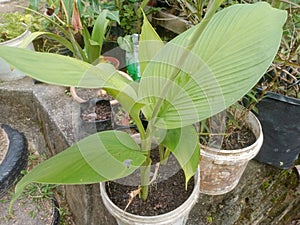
{"points": [[178, 216], [221, 170], [6, 71]]}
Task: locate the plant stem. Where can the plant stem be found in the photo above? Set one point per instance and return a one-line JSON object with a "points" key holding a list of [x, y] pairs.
{"points": [[77, 52], [146, 143], [161, 153], [145, 169], [165, 156], [199, 5], [141, 129], [211, 11], [146, 166], [62, 4], [145, 178]]}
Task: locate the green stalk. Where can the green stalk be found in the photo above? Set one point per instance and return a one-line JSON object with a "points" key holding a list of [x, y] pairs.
{"points": [[145, 178], [211, 11], [199, 6], [146, 166], [161, 152], [65, 11], [146, 144], [49, 19], [164, 154], [77, 49], [118, 4], [145, 169]]}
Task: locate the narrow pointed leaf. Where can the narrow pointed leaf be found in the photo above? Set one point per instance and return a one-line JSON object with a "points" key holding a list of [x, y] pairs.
{"points": [[87, 45], [113, 16], [100, 27], [184, 144], [149, 44], [97, 36]]}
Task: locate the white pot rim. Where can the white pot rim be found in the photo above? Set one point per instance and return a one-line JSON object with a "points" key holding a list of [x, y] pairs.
{"points": [[248, 151], [176, 213], [23, 35]]}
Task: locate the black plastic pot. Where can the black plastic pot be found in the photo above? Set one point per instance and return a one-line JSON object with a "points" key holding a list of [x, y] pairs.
{"points": [[15, 159], [92, 125], [56, 215], [280, 119]]}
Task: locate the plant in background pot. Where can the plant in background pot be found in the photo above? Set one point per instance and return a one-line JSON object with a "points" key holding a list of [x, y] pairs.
{"points": [[70, 24], [279, 105], [131, 17], [193, 9], [13, 30], [95, 116], [232, 139], [193, 77]]}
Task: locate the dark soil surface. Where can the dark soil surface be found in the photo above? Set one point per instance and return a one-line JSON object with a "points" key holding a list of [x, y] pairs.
{"points": [[100, 111], [238, 137], [166, 193], [235, 134], [163, 197]]}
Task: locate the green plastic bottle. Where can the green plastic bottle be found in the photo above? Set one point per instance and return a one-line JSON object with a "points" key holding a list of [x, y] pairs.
{"points": [[132, 61]]}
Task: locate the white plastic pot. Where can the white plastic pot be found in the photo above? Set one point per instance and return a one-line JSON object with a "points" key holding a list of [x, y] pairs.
{"points": [[6, 71], [221, 170], [178, 216]]}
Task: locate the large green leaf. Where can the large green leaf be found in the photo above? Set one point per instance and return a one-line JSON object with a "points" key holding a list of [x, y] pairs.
{"points": [[200, 73], [184, 144], [66, 71], [100, 157], [48, 67]]}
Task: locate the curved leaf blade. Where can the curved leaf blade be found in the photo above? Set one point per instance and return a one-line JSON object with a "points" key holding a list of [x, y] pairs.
{"points": [[150, 43], [184, 144], [66, 71], [196, 76], [35, 35], [100, 157]]}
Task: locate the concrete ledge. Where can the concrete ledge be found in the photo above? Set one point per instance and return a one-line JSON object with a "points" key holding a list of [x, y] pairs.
{"points": [[265, 195]]}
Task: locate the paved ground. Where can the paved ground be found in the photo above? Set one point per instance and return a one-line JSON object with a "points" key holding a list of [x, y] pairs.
{"points": [[26, 211], [7, 6]]}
